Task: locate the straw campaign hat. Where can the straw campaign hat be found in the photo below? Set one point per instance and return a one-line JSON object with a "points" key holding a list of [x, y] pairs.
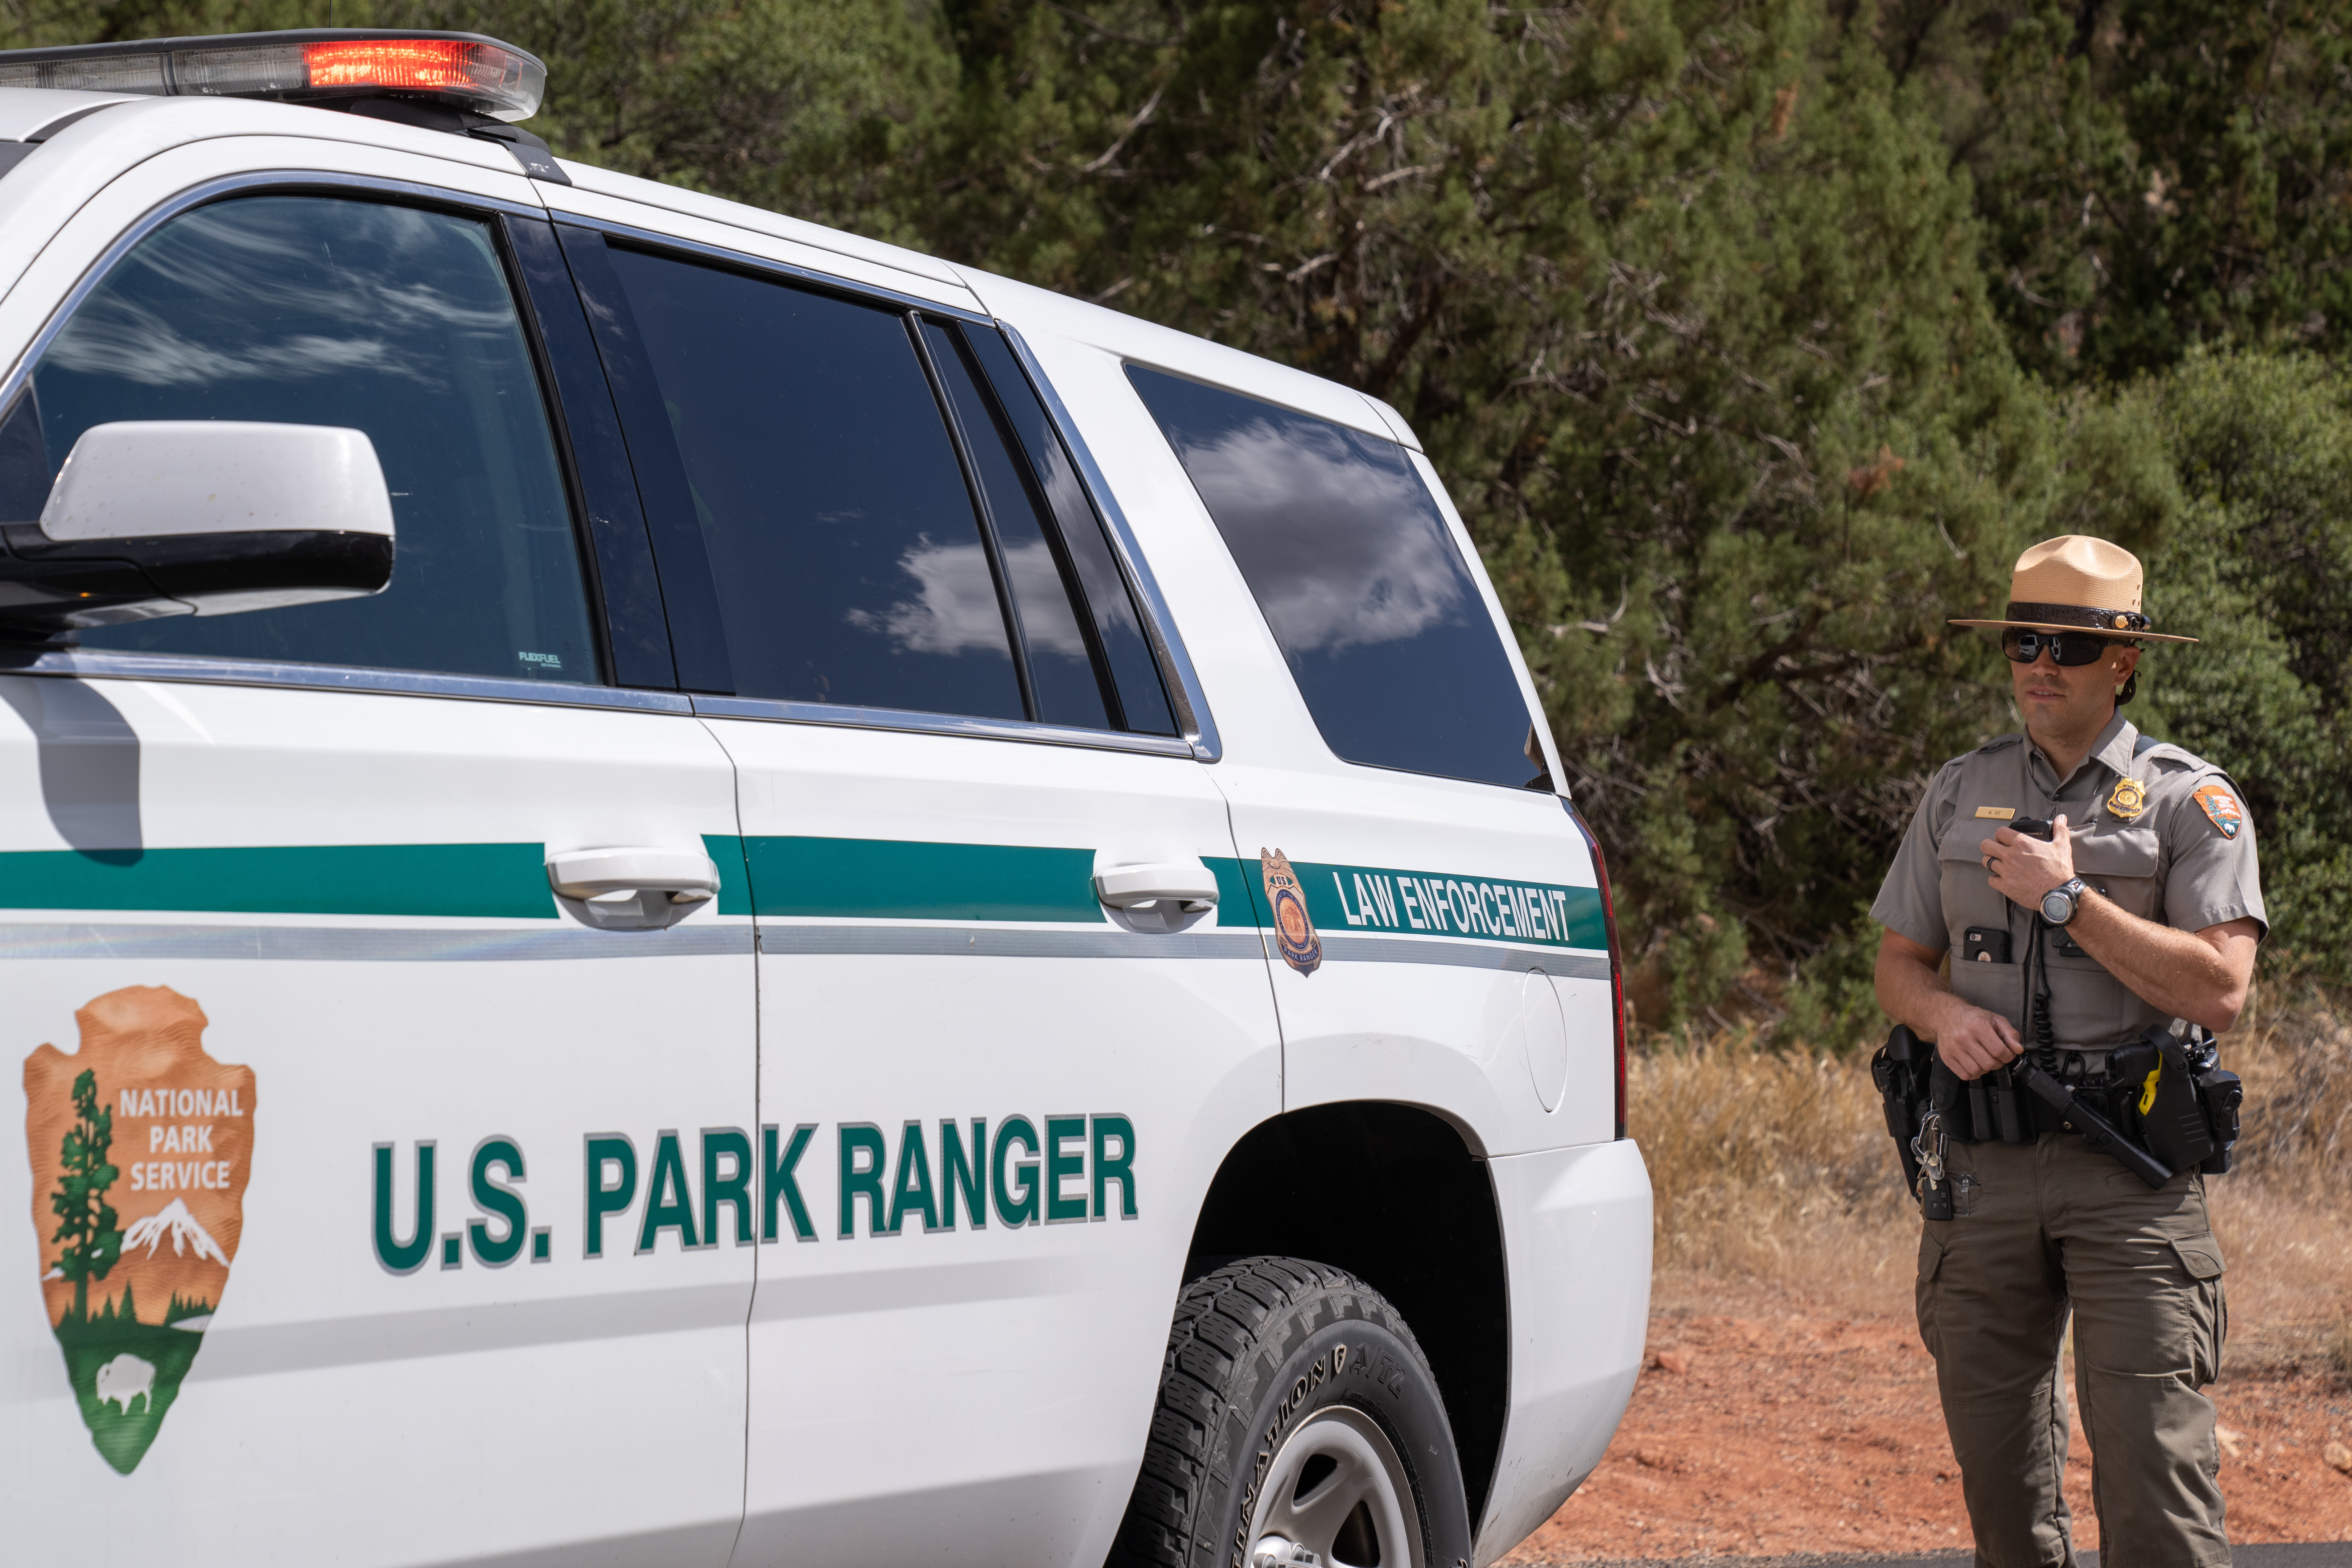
{"points": [[2078, 583]]}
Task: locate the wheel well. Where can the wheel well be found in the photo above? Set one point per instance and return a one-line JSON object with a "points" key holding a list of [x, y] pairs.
{"points": [[1392, 1194]]}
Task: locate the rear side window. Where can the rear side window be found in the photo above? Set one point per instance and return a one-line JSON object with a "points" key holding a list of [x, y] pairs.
{"points": [[881, 530], [318, 310], [1351, 563], [849, 562]]}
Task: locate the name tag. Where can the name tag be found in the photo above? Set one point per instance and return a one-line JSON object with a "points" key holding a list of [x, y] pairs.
{"points": [[1997, 813]]}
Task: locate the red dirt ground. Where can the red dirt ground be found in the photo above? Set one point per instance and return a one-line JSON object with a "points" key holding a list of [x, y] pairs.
{"points": [[1775, 1432]]}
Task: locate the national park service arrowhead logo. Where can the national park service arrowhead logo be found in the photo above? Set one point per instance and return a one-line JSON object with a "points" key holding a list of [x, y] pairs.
{"points": [[1294, 932], [141, 1146], [2222, 807]]}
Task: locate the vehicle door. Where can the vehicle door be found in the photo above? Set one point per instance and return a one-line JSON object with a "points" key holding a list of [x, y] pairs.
{"points": [[1427, 890], [991, 1096], [375, 1190]]}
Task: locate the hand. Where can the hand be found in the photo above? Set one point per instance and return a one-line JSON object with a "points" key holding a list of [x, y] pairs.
{"points": [[2024, 869], [1973, 1042]]}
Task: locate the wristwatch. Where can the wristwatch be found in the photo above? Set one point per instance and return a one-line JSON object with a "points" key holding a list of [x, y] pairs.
{"points": [[2059, 904]]}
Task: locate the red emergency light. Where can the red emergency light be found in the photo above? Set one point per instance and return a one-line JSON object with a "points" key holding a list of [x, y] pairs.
{"points": [[464, 71]]}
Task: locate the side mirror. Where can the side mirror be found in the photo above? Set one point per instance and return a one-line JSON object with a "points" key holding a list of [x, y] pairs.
{"points": [[199, 517]]}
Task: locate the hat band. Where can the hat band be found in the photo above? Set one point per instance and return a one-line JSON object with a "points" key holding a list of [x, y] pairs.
{"points": [[2082, 615]]}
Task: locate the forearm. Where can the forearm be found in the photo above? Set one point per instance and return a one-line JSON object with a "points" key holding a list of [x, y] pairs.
{"points": [[1910, 991], [1911, 988], [2175, 972]]}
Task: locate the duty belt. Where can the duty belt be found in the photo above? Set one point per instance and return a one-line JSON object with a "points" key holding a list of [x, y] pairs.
{"points": [[2160, 1105]]}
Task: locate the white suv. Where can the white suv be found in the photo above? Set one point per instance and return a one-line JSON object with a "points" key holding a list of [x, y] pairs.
{"points": [[667, 878]]}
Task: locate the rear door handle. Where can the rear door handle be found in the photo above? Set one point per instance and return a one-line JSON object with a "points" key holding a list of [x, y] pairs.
{"points": [[632, 888], [1186, 883]]}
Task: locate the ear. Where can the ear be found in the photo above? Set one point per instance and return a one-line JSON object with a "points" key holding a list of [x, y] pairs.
{"points": [[2124, 661]]}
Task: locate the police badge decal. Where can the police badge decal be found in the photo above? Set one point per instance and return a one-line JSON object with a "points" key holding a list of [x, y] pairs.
{"points": [[1294, 932]]}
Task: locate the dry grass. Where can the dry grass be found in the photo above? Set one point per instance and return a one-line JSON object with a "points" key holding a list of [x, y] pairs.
{"points": [[1764, 1164], [1775, 1167], [2297, 1060], [2338, 1348]]}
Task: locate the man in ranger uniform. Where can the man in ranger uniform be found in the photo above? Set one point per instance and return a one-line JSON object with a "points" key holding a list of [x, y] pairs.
{"points": [[2141, 907]]}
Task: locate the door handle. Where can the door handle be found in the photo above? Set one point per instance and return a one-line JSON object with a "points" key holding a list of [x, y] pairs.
{"points": [[1186, 883], [631, 888]]}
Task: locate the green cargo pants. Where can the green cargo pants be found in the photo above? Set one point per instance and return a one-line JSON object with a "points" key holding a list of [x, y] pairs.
{"points": [[2040, 1230]]}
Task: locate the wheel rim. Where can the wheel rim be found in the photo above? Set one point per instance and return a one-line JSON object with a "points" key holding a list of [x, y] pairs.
{"points": [[1338, 1488]]}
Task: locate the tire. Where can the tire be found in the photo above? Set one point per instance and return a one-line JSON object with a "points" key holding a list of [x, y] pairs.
{"points": [[1289, 1389]]}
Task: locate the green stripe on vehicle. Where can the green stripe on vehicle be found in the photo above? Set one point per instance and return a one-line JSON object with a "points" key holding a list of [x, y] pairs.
{"points": [[451, 880], [890, 878], [856, 879], [1342, 899], [1239, 891], [726, 852]]}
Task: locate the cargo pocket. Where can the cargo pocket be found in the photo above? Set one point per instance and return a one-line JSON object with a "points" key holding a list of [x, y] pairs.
{"points": [[1931, 1263], [2209, 1306], [1967, 1191]]}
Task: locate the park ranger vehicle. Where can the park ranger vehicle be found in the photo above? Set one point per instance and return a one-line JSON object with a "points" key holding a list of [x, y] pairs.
{"points": [[679, 888]]}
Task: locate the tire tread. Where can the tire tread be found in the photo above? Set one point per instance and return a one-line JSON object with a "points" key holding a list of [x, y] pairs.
{"points": [[1222, 1320]]}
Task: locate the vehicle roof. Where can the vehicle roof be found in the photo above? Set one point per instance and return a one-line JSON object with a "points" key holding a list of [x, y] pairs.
{"points": [[37, 114], [34, 114]]}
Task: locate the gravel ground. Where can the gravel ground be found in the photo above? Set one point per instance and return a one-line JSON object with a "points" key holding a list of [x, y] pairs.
{"points": [[1762, 1432]]}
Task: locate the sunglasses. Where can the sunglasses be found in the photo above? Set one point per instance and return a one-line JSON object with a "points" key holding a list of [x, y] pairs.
{"points": [[2064, 648]]}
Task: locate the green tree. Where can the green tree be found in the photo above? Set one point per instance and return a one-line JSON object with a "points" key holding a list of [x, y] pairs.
{"points": [[91, 1240], [2152, 173], [2259, 563]]}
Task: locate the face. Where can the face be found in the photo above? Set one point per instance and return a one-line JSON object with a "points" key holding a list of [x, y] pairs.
{"points": [[2058, 699]]}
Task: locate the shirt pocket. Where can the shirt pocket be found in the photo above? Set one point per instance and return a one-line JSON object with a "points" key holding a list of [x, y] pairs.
{"points": [[1969, 900], [2121, 862]]}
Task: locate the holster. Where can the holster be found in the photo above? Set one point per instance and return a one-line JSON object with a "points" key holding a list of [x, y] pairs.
{"points": [[1900, 1070], [1912, 1081], [2188, 1103]]}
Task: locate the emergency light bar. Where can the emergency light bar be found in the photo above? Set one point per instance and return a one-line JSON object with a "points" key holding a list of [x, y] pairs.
{"points": [[465, 70]]}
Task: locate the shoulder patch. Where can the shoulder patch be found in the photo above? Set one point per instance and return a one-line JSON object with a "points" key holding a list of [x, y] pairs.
{"points": [[2221, 804]]}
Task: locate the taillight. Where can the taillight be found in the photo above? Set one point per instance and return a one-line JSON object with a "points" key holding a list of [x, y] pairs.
{"points": [[1616, 956]]}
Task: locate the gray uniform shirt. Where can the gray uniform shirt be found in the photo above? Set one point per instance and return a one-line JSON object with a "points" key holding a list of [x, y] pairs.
{"points": [[2179, 850]]}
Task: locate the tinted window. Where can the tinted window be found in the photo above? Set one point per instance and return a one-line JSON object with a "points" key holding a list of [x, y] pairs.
{"points": [[1061, 664], [849, 562], [1351, 563], [311, 311], [1119, 630]]}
